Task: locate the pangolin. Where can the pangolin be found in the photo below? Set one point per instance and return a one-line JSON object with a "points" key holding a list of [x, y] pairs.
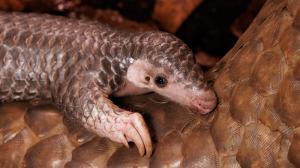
{"points": [[79, 64]]}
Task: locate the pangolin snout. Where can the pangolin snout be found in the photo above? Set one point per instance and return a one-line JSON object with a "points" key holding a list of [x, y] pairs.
{"points": [[206, 102]]}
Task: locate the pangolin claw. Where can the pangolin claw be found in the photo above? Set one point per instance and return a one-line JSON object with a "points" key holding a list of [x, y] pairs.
{"points": [[140, 135]]}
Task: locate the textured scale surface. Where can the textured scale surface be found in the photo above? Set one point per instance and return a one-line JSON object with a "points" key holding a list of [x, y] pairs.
{"points": [[59, 47], [42, 56], [256, 123]]}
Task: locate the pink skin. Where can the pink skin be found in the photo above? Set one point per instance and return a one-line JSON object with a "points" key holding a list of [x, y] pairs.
{"points": [[199, 100], [202, 101], [130, 126], [130, 89], [205, 105]]}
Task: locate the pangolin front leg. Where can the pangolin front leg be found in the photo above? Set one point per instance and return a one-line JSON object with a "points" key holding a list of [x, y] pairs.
{"points": [[91, 107]]}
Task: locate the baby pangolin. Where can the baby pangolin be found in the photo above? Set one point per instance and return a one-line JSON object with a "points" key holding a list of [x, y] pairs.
{"points": [[79, 64]]}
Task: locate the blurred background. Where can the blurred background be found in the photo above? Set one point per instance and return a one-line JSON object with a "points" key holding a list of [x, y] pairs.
{"points": [[209, 27]]}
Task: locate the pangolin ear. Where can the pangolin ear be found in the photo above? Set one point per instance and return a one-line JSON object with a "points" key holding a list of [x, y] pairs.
{"points": [[138, 73]]}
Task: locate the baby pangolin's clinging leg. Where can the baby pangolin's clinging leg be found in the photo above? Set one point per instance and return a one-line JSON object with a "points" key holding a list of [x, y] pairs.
{"points": [[93, 109]]}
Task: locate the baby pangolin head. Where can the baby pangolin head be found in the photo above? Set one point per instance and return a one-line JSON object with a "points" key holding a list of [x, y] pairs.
{"points": [[166, 66]]}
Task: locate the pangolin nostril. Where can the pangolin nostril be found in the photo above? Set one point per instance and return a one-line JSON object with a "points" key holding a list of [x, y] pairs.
{"points": [[204, 106]]}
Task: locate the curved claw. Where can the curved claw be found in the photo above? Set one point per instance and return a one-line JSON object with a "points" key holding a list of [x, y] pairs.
{"points": [[124, 141], [141, 127], [128, 126], [133, 135]]}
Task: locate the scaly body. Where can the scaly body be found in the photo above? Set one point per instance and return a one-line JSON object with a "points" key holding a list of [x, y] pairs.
{"points": [[78, 64]]}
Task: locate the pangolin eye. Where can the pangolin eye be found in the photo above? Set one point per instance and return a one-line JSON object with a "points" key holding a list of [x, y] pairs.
{"points": [[160, 81]]}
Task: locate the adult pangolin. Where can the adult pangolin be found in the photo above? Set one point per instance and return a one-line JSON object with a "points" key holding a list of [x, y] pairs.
{"points": [[79, 64]]}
